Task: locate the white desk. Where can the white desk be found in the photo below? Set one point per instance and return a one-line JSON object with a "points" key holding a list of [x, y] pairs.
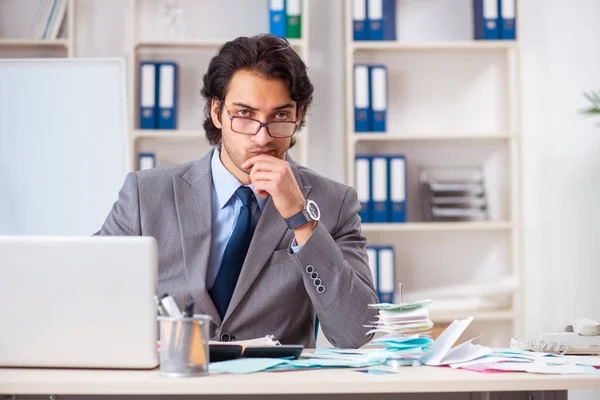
{"points": [[335, 381]]}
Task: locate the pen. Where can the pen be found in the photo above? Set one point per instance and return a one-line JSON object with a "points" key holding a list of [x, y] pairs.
{"points": [[170, 306], [173, 311], [188, 327], [159, 307], [189, 309]]}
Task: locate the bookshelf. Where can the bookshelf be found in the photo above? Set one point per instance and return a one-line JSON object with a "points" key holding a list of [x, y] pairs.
{"points": [[454, 101], [192, 51], [16, 39]]}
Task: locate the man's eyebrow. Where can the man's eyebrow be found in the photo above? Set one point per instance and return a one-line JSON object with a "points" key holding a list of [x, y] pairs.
{"points": [[245, 106], [281, 107], [284, 106]]}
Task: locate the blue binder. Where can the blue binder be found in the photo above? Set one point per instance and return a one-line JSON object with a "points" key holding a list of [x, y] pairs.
{"points": [[148, 98], [277, 18], [379, 97], [362, 98], [167, 95], [386, 273], [146, 161], [508, 20], [362, 183], [486, 19], [389, 19], [375, 19], [397, 188], [379, 191], [359, 19]]}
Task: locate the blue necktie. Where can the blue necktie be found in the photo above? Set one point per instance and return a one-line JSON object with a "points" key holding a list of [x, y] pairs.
{"points": [[234, 254]]}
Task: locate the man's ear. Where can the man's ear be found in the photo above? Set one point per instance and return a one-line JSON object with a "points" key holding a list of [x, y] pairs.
{"points": [[215, 112]]}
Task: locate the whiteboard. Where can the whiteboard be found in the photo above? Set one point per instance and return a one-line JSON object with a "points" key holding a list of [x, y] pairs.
{"points": [[64, 149]]}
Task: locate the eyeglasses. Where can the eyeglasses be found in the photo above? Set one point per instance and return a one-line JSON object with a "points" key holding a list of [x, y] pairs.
{"points": [[251, 126]]}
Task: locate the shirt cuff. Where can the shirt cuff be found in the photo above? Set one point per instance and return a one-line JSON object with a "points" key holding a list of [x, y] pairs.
{"points": [[295, 247]]}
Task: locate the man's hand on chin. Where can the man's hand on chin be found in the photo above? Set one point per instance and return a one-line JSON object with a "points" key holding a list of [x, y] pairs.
{"points": [[272, 176]]}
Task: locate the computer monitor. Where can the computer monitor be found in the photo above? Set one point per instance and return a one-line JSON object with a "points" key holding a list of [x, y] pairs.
{"points": [[78, 302]]}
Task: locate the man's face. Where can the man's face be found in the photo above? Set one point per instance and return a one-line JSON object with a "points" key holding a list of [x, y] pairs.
{"points": [[252, 96]]}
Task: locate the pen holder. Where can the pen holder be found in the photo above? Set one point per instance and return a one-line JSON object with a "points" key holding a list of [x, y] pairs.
{"points": [[184, 345]]}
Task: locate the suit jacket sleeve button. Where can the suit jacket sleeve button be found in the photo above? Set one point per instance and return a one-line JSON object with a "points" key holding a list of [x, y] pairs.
{"points": [[225, 337], [310, 269], [321, 289]]}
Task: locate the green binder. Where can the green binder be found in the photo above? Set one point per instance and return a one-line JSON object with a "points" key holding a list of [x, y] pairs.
{"points": [[294, 19]]}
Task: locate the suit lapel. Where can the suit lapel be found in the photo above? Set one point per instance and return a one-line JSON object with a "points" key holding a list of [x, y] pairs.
{"points": [[193, 200], [267, 235]]}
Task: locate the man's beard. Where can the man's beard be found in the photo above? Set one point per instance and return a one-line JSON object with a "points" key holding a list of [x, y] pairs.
{"points": [[238, 158]]}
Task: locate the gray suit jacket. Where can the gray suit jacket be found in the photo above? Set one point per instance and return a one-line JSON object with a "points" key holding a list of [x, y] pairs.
{"points": [[274, 295]]}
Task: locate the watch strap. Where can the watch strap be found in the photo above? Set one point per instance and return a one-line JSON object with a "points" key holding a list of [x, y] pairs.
{"points": [[296, 221]]}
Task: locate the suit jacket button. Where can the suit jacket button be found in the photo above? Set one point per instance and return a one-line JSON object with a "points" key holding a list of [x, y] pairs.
{"points": [[317, 282], [225, 337], [310, 268], [321, 289]]}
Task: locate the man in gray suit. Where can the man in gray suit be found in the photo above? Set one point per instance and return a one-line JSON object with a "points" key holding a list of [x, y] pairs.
{"points": [[261, 244]]}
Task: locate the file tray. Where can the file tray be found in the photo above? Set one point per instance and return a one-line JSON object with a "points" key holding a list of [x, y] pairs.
{"points": [[453, 194], [224, 352]]}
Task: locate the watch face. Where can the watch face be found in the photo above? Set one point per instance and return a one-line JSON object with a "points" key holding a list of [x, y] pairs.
{"points": [[313, 210]]}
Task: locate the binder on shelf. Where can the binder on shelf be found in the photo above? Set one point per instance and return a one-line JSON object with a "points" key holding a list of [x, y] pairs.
{"points": [[389, 19], [378, 79], [146, 161], [486, 19], [167, 95], [148, 95], [293, 13], [379, 193], [397, 174], [508, 19], [59, 8], [359, 19], [372, 255], [362, 183], [386, 271], [42, 18], [362, 98], [375, 19], [277, 18]]}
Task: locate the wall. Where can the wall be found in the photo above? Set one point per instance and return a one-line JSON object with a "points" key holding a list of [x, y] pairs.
{"points": [[561, 163]]}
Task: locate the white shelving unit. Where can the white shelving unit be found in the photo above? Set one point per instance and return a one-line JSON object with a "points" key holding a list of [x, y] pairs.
{"points": [[29, 47], [188, 141], [451, 101]]}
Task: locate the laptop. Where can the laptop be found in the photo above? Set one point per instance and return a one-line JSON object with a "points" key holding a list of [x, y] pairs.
{"points": [[78, 302]]}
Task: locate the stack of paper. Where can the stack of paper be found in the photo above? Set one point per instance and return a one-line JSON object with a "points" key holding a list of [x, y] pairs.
{"points": [[402, 318]]}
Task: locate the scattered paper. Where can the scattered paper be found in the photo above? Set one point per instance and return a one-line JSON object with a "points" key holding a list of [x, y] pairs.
{"points": [[543, 368], [583, 360], [245, 365], [486, 361], [251, 365], [441, 352], [464, 352]]}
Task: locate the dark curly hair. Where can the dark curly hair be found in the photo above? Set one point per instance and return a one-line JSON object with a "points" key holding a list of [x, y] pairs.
{"points": [[270, 56]]}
